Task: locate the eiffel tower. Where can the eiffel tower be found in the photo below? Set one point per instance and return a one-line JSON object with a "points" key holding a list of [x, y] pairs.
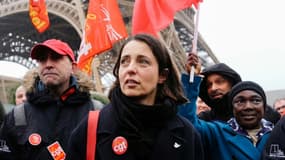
{"points": [[67, 17]]}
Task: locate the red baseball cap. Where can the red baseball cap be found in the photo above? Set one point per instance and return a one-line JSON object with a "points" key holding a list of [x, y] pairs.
{"points": [[57, 46]]}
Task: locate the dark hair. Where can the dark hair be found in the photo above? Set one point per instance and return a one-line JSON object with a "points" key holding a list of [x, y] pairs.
{"points": [[172, 87]]}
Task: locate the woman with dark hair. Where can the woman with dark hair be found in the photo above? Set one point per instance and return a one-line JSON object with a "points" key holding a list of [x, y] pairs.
{"points": [[143, 109]]}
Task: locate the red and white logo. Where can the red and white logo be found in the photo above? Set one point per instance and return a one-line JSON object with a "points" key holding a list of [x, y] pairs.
{"points": [[35, 139], [120, 145], [56, 151]]}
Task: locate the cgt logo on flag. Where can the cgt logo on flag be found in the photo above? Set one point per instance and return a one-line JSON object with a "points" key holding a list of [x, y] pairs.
{"points": [[39, 15], [103, 27]]}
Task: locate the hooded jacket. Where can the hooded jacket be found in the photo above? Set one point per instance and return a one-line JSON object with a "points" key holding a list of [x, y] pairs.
{"points": [[48, 121], [222, 140], [220, 110]]}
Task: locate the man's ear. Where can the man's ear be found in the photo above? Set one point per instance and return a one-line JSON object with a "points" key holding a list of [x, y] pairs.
{"points": [[163, 75], [74, 67]]}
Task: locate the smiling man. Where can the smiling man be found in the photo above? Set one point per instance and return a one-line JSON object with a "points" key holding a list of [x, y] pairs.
{"points": [[249, 102], [245, 134]]}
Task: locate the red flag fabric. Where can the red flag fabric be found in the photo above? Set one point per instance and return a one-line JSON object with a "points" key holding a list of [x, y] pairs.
{"points": [[152, 16], [103, 27], [39, 15]]}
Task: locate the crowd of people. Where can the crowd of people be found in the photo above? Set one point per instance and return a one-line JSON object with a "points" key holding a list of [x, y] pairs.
{"points": [[153, 112]]}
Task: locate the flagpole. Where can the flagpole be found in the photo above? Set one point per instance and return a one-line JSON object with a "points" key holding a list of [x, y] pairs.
{"points": [[194, 42], [96, 75]]}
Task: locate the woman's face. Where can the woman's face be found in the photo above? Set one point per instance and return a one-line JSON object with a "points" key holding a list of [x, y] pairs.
{"points": [[139, 73]]}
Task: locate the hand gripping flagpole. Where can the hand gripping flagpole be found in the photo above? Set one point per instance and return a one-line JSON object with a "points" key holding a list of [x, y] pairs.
{"points": [[194, 42]]}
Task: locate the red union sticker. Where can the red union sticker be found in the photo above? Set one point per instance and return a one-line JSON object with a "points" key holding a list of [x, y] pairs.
{"points": [[35, 139], [120, 145], [56, 151]]}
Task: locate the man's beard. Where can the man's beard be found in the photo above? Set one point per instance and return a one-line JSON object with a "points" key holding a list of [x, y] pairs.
{"points": [[53, 88], [222, 108]]}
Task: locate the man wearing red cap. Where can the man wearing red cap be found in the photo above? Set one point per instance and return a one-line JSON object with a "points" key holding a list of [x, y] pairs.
{"points": [[57, 99]]}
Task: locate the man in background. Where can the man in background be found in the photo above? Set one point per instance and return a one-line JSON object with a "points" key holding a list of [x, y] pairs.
{"points": [[214, 84], [20, 95], [279, 106]]}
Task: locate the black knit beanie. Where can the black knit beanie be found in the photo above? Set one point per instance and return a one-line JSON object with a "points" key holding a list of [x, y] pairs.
{"points": [[247, 85]]}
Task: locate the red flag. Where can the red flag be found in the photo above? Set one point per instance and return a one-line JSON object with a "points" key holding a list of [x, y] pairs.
{"points": [[151, 16], [39, 15], [103, 27]]}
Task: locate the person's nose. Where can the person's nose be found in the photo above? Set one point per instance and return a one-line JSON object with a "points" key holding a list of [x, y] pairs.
{"points": [[214, 87], [24, 98], [248, 104], [281, 110], [49, 62], [132, 68]]}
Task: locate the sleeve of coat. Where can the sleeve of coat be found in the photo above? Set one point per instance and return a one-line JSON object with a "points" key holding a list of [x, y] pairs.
{"points": [[7, 142], [191, 91]]}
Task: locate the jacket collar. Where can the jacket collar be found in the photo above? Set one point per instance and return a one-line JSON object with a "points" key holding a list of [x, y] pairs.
{"points": [[266, 126], [41, 87]]}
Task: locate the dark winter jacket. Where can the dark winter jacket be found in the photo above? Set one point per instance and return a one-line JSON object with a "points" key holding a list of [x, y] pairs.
{"points": [[222, 140], [271, 114], [220, 110], [2, 112], [275, 146], [147, 138], [42, 126]]}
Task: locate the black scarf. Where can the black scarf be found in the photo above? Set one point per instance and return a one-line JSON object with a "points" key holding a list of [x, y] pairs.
{"points": [[139, 123], [221, 110]]}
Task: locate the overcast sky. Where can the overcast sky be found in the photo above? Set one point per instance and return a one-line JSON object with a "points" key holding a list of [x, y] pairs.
{"points": [[248, 35], [12, 69]]}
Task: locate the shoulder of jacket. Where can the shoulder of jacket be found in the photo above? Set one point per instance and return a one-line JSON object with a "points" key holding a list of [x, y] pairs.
{"points": [[97, 105], [19, 115]]}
